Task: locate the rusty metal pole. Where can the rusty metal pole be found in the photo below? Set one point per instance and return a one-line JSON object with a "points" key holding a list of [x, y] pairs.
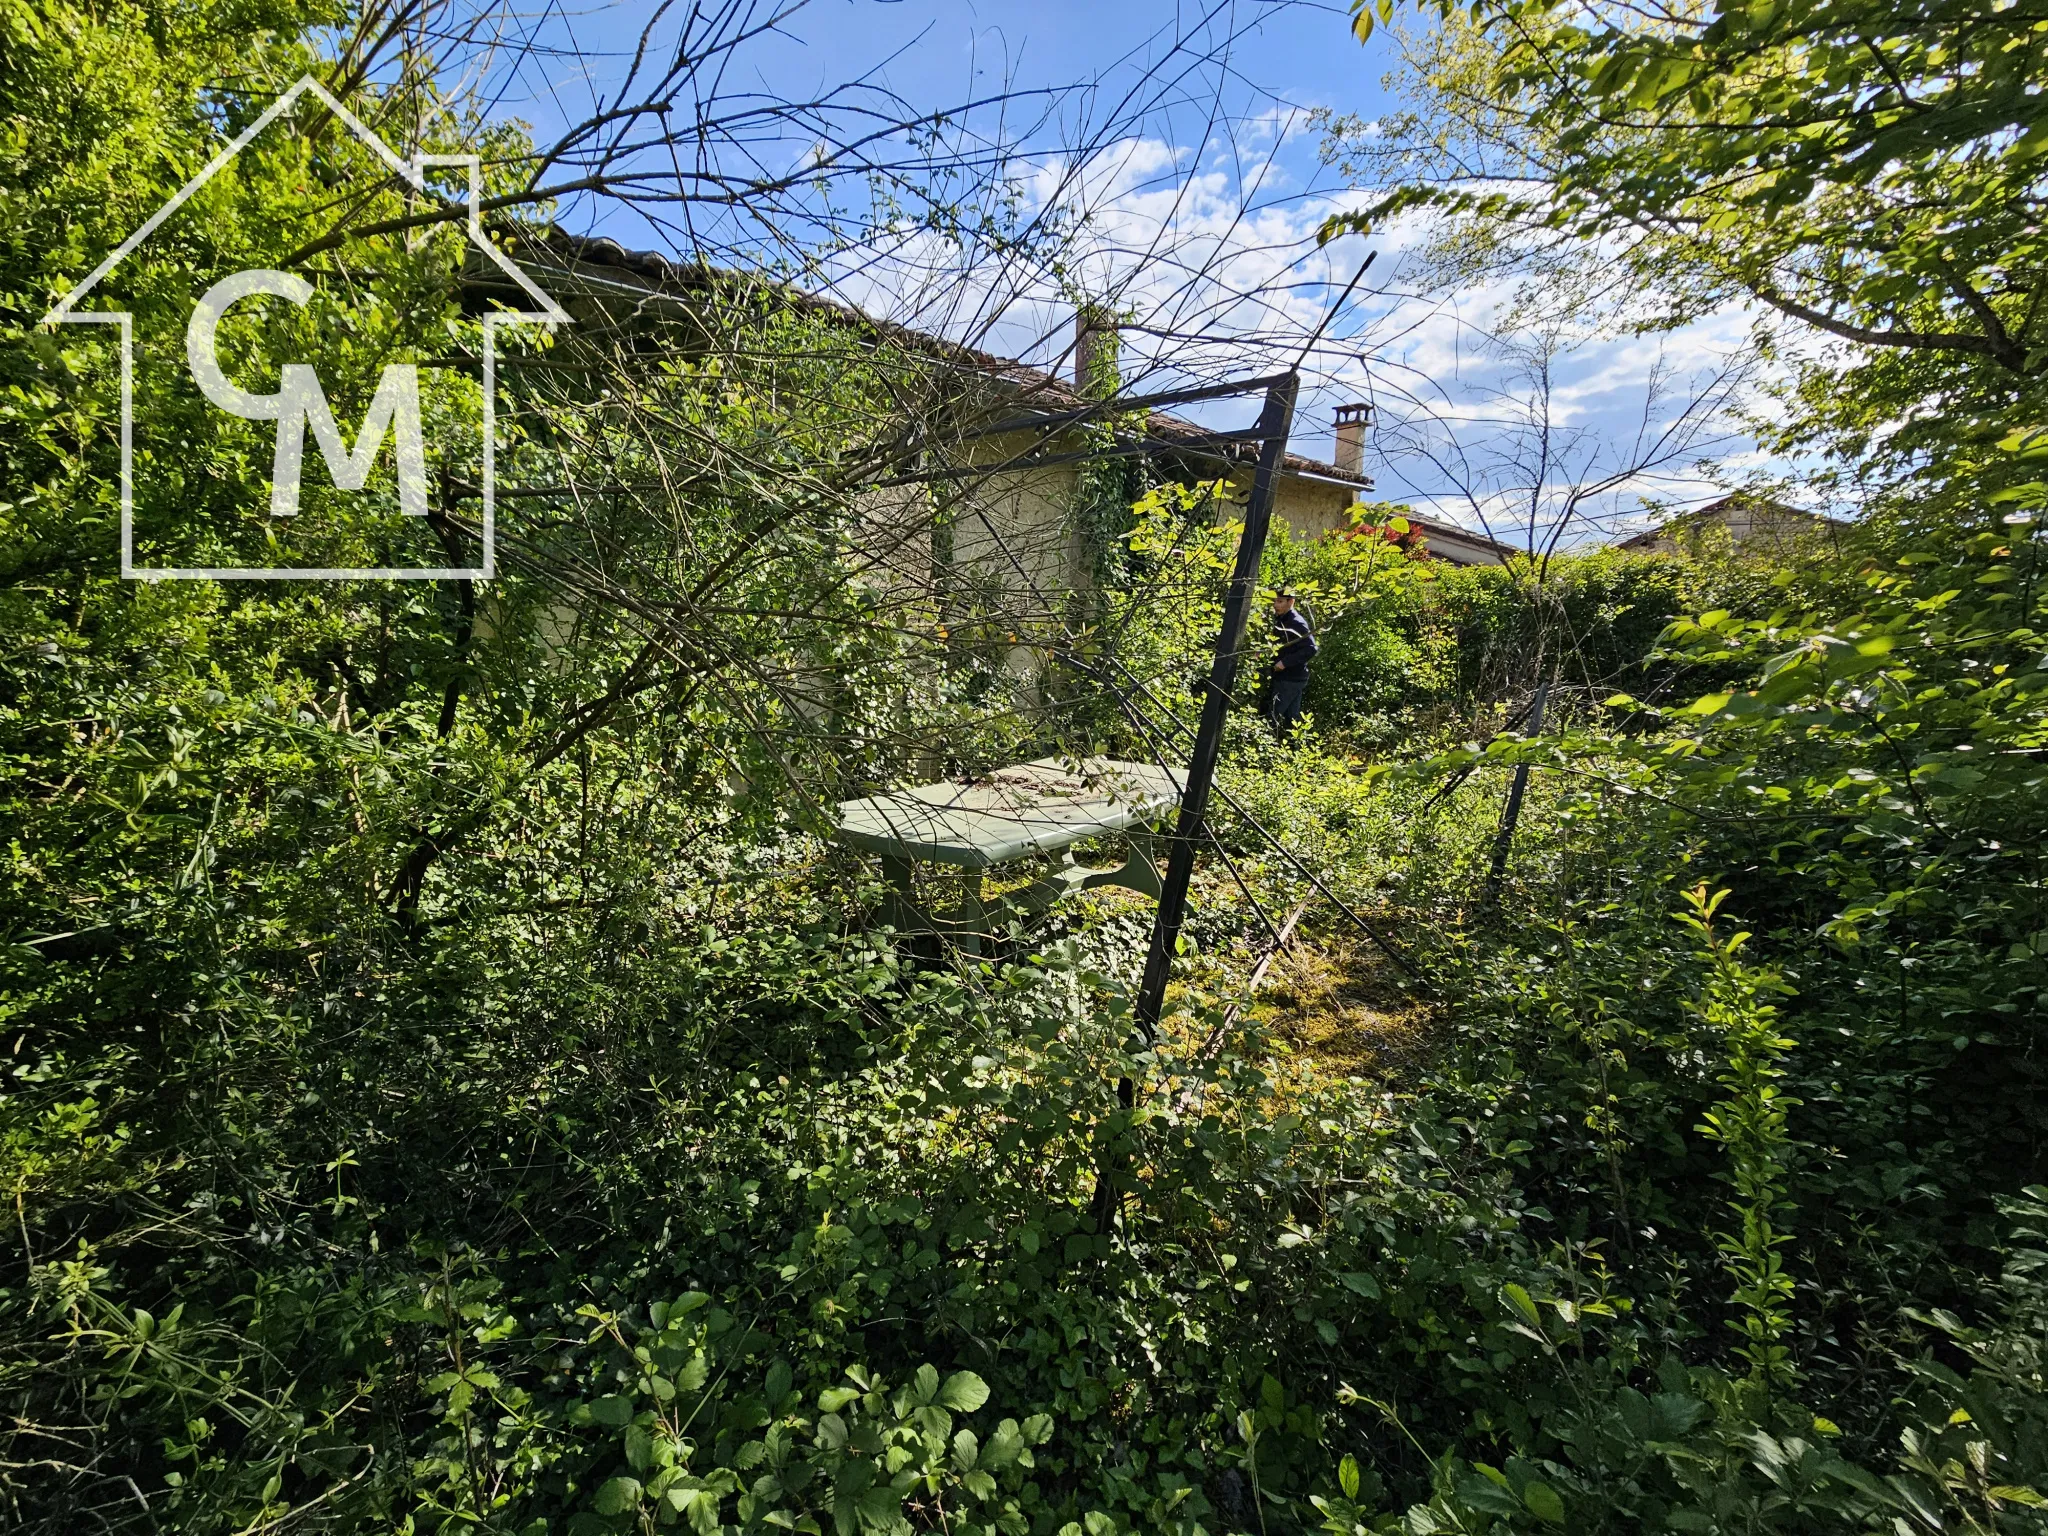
{"points": [[1274, 422], [1189, 827], [1512, 815]]}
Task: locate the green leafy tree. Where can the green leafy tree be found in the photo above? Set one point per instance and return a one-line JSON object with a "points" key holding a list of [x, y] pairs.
{"points": [[1868, 173]]}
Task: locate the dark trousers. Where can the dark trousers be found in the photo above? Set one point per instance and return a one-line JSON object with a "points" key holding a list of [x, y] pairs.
{"points": [[1286, 706]]}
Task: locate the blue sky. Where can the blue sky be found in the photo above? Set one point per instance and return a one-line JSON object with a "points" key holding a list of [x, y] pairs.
{"points": [[941, 51], [1178, 139]]}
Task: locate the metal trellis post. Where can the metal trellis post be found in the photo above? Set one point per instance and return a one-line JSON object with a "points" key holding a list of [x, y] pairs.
{"points": [[1274, 423], [1512, 815]]}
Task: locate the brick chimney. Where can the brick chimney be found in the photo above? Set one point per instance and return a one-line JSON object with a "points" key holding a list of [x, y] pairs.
{"points": [[1352, 422], [1096, 349]]}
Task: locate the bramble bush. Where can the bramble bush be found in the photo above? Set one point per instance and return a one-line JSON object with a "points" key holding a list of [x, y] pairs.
{"points": [[1416, 651], [436, 1098]]}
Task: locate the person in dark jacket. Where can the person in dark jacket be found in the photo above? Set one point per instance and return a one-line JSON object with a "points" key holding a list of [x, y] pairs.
{"points": [[1290, 670]]}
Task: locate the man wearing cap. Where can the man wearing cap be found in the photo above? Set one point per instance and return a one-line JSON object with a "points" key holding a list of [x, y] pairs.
{"points": [[1290, 671]]}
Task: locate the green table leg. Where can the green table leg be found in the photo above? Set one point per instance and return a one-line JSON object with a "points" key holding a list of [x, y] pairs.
{"points": [[1140, 870], [966, 921], [1050, 889], [900, 909], [972, 920]]}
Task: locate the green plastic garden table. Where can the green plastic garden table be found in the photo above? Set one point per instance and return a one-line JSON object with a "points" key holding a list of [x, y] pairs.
{"points": [[1030, 810]]}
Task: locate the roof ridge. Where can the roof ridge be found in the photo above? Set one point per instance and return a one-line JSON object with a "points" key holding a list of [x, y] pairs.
{"points": [[653, 266]]}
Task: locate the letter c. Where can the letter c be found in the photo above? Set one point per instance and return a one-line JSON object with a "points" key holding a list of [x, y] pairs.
{"points": [[201, 335]]}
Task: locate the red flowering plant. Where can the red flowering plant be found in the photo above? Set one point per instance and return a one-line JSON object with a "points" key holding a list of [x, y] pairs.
{"points": [[1397, 531]]}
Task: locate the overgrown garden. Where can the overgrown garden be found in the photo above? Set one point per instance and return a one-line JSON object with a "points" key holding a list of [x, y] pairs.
{"points": [[452, 1085]]}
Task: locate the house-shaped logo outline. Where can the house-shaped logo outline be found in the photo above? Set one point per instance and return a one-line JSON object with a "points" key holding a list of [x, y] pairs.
{"points": [[548, 312]]}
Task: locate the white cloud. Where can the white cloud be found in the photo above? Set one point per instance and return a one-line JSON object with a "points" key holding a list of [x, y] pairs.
{"points": [[1210, 251]]}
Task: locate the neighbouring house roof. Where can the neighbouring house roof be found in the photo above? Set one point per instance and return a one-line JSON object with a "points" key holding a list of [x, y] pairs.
{"points": [[1462, 546], [1750, 520]]}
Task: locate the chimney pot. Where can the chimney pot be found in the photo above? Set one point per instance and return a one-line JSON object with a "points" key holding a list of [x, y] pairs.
{"points": [[1096, 349], [1352, 422]]}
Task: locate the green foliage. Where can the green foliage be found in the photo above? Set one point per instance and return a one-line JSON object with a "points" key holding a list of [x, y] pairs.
{"points": [[1411, 647], [447, 1090], [1105, 489], [1858, 170], [1867, 789], [1751, 1125], [866, 1451]]}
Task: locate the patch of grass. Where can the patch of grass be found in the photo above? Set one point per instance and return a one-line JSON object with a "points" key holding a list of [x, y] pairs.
{"points": [[1333, 1001]]}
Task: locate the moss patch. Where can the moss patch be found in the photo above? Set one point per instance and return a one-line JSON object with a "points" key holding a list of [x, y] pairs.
{"points": [[1335, 1001]]}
